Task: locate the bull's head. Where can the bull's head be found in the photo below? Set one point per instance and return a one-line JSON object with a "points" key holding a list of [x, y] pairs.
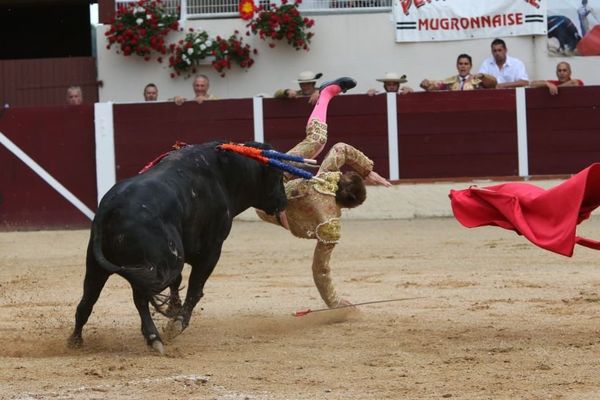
{"points": [[272, 199], [266, 179]]}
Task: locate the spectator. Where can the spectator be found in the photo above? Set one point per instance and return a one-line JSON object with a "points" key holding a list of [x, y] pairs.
{"points": [[308, 87], [74, 96], [464, 80], [509, 71], [200, 85], [391, 84], [563, 73], [150, 92]]}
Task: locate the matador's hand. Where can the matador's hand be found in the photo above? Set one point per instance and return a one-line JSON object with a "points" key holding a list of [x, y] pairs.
{"points": [[377, 179]]}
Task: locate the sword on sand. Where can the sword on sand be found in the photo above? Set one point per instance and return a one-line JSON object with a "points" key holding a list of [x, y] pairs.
{"points": [[301, 313]]}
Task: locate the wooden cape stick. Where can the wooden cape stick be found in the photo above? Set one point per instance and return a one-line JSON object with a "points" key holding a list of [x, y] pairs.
{"points": [[301, 313]]}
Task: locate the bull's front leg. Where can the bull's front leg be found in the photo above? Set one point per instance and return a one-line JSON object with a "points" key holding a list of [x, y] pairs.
{"points": [[171, 307], [201, 270], [174, 307], [148, 328]]}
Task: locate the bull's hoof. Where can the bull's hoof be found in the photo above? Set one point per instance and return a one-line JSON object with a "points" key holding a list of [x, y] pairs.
{"points": [[75, 342], [158, 347], [173, 329]]}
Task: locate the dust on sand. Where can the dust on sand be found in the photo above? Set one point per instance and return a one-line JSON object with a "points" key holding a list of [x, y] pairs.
{"points": [[500, 319]]}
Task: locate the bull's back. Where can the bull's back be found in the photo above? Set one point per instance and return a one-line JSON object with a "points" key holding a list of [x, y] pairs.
{"points": [[178, 201]]}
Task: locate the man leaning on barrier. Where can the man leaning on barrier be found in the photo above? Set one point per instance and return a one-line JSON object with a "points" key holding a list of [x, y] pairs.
{"points": [[563, 75]]}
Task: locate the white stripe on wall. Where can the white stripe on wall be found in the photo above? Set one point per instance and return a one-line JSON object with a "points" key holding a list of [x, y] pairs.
{"points": [[521, 104], [257, 106], [54, 184], [392, 123], [105, 148]]}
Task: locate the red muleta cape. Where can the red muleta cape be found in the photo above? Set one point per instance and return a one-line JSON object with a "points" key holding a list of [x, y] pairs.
{"points": [[548, 218]]}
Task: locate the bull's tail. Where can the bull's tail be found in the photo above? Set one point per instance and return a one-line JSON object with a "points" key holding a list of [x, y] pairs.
{"points": [[145, 278], [97, 249]]}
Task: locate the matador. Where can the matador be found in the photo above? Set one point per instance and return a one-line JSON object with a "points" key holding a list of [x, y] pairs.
{"points": [[314, 206]]}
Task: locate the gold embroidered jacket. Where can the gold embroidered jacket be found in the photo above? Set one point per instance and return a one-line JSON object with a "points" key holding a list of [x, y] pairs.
{"points": [[470, 82]]}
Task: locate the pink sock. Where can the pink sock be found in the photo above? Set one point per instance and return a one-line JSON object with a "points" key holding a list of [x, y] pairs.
{"points": [[320, 111]]}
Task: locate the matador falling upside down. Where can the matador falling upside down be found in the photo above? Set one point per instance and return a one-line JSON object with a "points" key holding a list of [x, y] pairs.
{"points": [[314, 206]]}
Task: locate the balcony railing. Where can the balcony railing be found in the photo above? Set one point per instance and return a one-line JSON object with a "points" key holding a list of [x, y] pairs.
{"points": [[194, 9]]}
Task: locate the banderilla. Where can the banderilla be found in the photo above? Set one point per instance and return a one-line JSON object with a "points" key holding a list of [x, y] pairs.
{"points": [[301, 313]]}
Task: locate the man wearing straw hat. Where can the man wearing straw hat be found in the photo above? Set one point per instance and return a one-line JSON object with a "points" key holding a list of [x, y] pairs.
{"points": [[308, 87], [391, 84]]}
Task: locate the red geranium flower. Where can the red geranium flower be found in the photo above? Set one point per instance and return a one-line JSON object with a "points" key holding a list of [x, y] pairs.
{"points": [[189, 52], [140, 27], [232, 50], [282, 23]]}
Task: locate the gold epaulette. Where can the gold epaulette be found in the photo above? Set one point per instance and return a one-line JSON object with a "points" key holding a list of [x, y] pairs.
{"points": [[328, 182], [329, 231]]}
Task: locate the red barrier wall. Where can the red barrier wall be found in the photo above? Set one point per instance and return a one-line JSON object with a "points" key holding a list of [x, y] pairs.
{"points": [[564, 130], [144, 131], [452, 134], [440, 135], [61, 140]]}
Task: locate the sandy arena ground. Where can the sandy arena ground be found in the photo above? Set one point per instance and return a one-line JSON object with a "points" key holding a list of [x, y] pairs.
{"points": [[498, 319]]}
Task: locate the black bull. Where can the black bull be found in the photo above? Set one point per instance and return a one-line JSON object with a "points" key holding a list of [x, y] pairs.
{"points": [[180, 211]]}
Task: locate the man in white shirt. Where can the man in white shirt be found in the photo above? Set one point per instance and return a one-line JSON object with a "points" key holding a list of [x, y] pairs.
{"points": [[509, 71]]}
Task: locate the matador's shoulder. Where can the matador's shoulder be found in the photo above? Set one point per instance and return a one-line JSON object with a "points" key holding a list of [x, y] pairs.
{"points": [[328, 182], [329, 231]]}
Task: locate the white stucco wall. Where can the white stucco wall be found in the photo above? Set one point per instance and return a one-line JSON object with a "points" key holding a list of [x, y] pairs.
{"points": [[357, 45]]}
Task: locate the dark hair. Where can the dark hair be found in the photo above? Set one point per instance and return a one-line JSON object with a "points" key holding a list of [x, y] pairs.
{"points": [[499, 41], [351, 190], [468, 57], [150, 85]]}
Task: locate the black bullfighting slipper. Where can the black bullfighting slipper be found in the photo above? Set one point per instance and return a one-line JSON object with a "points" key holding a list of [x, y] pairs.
{"points": [[344, 83]]}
